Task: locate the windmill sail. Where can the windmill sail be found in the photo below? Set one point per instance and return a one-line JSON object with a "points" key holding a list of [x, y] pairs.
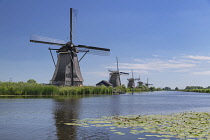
{"points": [[46, 40]]}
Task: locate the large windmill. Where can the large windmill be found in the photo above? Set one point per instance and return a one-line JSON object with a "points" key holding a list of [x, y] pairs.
{"points": [[67, 70], [114, 76]]}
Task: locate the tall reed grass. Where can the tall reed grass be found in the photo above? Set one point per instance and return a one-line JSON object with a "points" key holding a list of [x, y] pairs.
{"points": [[21, 88], [198, 90]]}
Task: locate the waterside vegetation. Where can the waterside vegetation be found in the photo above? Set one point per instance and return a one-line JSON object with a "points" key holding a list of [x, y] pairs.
{"points": [[33, 88], [187, 125], [197, 89], [21, 88]]}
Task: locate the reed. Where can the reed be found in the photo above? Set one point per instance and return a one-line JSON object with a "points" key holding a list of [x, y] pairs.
{"points": [[21, 88], [197, 90]]}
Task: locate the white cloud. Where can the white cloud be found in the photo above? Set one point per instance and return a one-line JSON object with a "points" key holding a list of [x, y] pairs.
{"points": [[156, 55], [197, 57], [201, 73], [191, 61], [182, 70], [155, 64]]}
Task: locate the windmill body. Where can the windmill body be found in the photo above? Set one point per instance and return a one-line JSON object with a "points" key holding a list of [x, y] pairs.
{"points": [[67, 70], [114, 78], [62, 74], [140, 83], [131, 83]]}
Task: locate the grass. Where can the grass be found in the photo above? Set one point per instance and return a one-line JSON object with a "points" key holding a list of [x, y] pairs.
{"points": [[21, 88], [198, 90]]}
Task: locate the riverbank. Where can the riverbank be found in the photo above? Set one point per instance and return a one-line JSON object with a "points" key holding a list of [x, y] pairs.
{"points": [[21, 88], [197, 90], [27, 89]]}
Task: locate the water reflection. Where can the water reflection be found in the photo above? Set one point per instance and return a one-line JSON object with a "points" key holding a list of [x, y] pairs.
{"points": [[65, 111], [25, 117]]}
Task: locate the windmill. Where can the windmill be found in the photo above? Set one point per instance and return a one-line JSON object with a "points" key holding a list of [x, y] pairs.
{"points": [[67, 70], [114, 76], [131, 81], [147, 84], [140, 83]]}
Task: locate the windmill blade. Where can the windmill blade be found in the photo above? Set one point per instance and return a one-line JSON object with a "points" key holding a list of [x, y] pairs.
{"points": [[124, 73], [73, 21], [46, 40], [94, 51], [93, 48]]}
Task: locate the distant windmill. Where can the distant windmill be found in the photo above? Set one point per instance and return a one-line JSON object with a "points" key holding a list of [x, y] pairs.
{"points": [[131, 81], [67, 70], [140, 83], [114, 76], [147, 84]]}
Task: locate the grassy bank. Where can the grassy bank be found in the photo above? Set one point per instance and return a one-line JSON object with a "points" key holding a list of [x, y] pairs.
{"points": [[21, 88], [197, 90], [142, 88]]}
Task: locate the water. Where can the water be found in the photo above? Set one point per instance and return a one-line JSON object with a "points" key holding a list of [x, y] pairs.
{"points": [[43, 118]]}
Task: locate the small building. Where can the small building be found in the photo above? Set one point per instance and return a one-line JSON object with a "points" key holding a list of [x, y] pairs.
{"points": [[105, 83]]}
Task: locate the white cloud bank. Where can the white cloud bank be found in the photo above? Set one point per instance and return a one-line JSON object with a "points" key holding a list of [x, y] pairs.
{"points": [[201, 73], [197, 57], [155, 64], [192, 64]]}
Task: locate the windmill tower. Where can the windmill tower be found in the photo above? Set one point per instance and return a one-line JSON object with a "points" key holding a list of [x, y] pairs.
{"points": [[131, 81], [140, 83], [114, 76], [67, 70], [147, 84]]}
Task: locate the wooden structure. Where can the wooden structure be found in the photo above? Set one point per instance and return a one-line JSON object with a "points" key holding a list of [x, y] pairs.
{"points": [[131, 81], [105, 83], [67, 70]]}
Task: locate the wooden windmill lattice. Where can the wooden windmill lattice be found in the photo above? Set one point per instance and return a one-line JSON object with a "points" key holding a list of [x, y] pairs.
{"points": [[67, 70]]}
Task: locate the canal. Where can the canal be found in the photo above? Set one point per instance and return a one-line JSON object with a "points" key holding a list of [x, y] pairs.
{"points": [[43, 118]]}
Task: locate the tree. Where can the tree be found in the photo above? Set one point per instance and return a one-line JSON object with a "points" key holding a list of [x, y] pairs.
{"points": [[152, 88], [176, 88], [31, 81]]}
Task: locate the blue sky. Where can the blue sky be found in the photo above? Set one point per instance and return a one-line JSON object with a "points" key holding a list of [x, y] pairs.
{"points": [[165, 41]]}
